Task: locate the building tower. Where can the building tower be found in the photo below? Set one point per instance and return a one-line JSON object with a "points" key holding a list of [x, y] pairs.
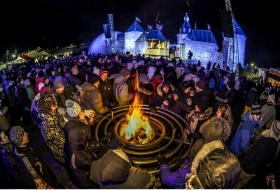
{"points": [[112, 32]]}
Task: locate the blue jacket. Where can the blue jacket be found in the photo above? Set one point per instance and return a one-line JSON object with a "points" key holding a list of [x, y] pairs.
{"points": [[241, 141], [177, 179]]}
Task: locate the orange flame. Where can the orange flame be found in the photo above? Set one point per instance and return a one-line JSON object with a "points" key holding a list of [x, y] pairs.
{"points": [[137, 129]]}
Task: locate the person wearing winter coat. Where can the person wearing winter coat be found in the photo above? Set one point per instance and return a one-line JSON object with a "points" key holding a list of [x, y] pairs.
{"points": [[77, 148], [268, 114], [92, 98], [106, 90], [121, 87], [4, 119], [30, 90], [214, 167], [260, 154], [228, 97], [74, 79], [170, 75], [252, 97], [29, 162], [241, 141], [145, 89], [162, 96], [22, 94], [201, 94], [114, 171]]}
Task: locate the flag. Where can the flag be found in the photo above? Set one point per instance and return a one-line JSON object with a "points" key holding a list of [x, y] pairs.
{"points": [[137, 19], [208, 27], [159, 27], [150, 27]]}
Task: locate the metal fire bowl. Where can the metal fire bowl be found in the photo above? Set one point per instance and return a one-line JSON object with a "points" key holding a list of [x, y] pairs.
{"points": [[171, 140], [158, 128]]}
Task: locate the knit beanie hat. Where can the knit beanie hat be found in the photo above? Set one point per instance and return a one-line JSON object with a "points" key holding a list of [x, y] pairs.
{"points": [[93, 78], [200, 84], [26, 82], [203, 105], [256, 108], [143, 78], [103, 72], [16, 135], [165, 84], [125, 72], [72, 108], [57, 84]]}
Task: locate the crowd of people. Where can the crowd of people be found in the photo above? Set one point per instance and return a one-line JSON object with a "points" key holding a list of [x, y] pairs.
{"points": [[63, 99]]}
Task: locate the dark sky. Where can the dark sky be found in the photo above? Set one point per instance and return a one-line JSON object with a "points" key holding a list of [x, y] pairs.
{"points": [[58, 23]]}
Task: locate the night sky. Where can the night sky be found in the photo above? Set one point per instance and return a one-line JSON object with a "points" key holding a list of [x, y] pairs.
{"points": [[28, 24]]}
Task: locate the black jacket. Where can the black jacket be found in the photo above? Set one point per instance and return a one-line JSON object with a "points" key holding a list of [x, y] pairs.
{"points": [[22, 96], [259, 155], [106, 90], [74, 80]]}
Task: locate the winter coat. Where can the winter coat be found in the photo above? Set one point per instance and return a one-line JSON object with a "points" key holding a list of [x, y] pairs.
{"points": [[93, 99], [22, 96], [106, 90], [31, 164], [191, 76], [78, 160], [74, 80], [4, 125], [241, 141], [35, 110], [252, 97], [121, 90], [39, 80], [82, 73], [113, 171], [176, 179], [11, 95], [259, 155], [213, 168], [30, 92], [53, 134], [200, 96], [171, 76], [159, 98]]}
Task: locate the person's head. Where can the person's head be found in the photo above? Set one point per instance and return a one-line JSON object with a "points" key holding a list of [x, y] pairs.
{"points": [[200, 85], [201, 106], [18, 136], [4, 139], [58, 86], [271, 98], [224, 111], [47, 103], [94, 80], [165, 86], [26, 82], [230, 85], [125, 72], [273, 131], [144, 79], [20, 80], [216, 128], [256, 111], [46, 79], [187, 86], [103, 75], [74, 70], [73, 110]]}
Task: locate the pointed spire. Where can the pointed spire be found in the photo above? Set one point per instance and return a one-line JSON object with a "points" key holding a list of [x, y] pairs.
{"points": [[195, 25], [208, 27]]}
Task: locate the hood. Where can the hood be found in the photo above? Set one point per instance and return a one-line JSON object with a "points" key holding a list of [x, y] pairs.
{"points": [[213, 168], [217, 128], [160, 91], [114, 167], [76, 134], [119, 78]]}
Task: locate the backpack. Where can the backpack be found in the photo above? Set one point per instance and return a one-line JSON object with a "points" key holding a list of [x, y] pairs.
{"points": [[211, 83]]}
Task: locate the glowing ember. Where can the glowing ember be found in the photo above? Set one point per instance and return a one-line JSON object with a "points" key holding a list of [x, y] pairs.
{"points": [[137, 129]]}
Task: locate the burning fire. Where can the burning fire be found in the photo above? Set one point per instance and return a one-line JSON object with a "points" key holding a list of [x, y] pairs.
{"points": [[136, 129]]}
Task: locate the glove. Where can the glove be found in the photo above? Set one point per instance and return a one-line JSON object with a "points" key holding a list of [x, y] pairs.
{"points": [[88, 113], [106, 139], [153, 110], [162, 159], [178, 162], [94, 147], [113, 144]]}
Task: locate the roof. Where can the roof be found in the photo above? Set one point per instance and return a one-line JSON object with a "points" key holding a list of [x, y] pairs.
{"points": [[238, 30], [151, 35], [33, 54], [203, 36], [135, 27]]}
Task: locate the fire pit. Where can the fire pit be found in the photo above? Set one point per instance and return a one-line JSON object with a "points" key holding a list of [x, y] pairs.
{"points": [[169, 136]]}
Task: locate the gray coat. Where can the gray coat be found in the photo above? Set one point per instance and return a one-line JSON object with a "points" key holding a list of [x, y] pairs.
{"points": [[121, 90]]}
